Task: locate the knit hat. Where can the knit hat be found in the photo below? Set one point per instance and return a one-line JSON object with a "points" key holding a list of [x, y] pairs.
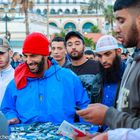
{"points": [[105, 43], [36, 43], [4, 45]]}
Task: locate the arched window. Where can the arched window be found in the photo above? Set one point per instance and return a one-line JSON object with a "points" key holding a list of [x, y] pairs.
{"points": [[87, 27], [67, 11], [53, 24], [60, 11], [45, 12], [38, 11], [70, 26], [52, 11], [74, 11]]}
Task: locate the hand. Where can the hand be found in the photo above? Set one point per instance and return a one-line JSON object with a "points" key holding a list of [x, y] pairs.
{"points": [[13, 121], [103, 136], [87, 137], [94, 113]]}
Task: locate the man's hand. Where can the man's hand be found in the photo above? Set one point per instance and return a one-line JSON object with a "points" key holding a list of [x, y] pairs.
{"points": [[13, 121], [102, 136], [94, 113]]}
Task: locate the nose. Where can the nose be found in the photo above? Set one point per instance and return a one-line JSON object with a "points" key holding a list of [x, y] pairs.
{"points": [[55, 51], [28, 60], [73, 46], [117, 28], [103, 59]]}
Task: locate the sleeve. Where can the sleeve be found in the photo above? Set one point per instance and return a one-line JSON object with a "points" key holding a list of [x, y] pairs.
{"points": [[124, 134], [8, 103], [81, 95], [120, 119]]}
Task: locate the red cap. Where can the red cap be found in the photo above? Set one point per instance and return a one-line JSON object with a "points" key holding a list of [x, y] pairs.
{"points": [[36, 43]]}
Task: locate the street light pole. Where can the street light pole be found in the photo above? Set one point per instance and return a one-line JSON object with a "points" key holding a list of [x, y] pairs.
{"points": [[6, 18], [6, 9], [48, 18]]}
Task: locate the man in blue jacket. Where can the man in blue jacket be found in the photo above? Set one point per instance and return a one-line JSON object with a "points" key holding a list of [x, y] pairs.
{"points": [[41, 90]]}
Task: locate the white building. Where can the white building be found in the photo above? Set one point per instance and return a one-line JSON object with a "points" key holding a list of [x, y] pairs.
{"points": [[63, 15]]}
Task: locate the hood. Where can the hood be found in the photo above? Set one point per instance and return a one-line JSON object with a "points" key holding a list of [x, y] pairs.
{"points": [[22, 73]]}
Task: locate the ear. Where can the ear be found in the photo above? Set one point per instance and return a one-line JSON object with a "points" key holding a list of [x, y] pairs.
{"points": [[10, 53], [138, 23], [119, 51]]}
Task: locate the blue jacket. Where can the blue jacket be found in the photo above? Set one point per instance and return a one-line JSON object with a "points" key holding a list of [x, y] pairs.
{"points": [[50, 98]]}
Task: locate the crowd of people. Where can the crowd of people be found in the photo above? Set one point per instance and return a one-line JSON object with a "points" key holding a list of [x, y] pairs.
{"points": [[44, 86]]}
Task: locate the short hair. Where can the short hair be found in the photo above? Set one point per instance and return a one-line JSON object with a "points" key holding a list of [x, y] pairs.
{"points": [[89, 52], [58, 39], [15, 53], [121, 4]]}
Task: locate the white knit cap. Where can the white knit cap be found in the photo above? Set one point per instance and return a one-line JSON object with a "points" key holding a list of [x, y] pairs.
{"points": [[105, 43]]}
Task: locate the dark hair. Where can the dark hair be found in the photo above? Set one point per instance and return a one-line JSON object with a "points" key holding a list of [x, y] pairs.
{"points": [[89, 52], [121, 4], [15, 53], [58, 39], [125, 54]]}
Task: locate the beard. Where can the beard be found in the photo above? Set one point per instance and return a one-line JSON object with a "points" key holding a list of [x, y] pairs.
{"points": [[78, 56], [112, 74], [39, 65], [133, 35]]}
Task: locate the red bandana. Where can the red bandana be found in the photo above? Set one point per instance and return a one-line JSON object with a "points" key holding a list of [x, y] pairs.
{"points": [[22, 73]]}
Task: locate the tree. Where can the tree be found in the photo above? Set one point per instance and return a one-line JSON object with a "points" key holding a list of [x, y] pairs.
{"points": [[96, 4], [61, 34], [109, 16], [95, 29], [25, 6], [89, 43]]}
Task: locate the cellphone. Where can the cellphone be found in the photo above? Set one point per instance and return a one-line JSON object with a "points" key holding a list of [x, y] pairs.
{"points": [[77, 108]]}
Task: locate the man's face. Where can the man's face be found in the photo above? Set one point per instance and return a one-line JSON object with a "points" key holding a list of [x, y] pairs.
{"points": [[58, 50], [75, 48], [4, 59], [107, 58], [126, 28], [89, 56], [34, 62]]}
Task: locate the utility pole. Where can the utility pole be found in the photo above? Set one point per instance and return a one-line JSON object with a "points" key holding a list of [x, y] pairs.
{"points": [[48, 18]]}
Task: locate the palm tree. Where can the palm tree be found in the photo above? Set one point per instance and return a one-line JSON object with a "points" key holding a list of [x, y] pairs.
{"points": [[95, 29], [25, 6], [109, 16], [96, 4], [89, 43]]}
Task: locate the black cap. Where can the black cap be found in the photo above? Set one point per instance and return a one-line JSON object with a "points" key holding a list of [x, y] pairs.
{"points": [[76, 34]]}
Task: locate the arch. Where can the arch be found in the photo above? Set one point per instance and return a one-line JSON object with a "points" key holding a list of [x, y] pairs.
{"points": [[74, 11], [67, 11], [45, 11], [87, 27], [52, 11], [38, 11], [70, 26], [60, 11], [53, 24], [83, 11]]}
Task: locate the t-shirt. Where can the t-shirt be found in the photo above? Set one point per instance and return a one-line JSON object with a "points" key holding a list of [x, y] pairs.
{"points": [[89, 73]]}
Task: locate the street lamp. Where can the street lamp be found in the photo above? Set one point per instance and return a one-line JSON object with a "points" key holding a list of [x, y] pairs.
{"points": [[48, 18], [6, 18], [6, 9]]}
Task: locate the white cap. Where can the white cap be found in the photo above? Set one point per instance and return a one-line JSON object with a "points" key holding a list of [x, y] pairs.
{"points": [[105, 43]]}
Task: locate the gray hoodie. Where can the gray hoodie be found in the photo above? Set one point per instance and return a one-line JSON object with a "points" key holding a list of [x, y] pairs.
{"points": [[127, 114]]}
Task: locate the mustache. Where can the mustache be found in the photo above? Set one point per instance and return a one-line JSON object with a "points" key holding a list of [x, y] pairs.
{"points": [[31, 64]]}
